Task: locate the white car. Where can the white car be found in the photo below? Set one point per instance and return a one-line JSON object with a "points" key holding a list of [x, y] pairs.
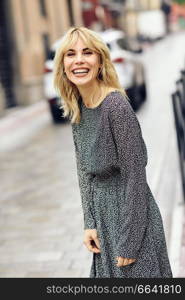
{"points": [[151, 25], [128, 65]]}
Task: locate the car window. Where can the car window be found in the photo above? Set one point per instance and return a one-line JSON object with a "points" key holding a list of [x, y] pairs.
{"points": [[109, 46], [51, 55], [122, 43]]}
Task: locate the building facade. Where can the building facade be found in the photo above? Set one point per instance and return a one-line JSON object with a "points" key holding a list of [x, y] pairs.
{"points": [[131, 13], [27, 29]]}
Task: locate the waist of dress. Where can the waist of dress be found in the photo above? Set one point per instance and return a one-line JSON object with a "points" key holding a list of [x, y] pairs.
{"points": [[107, 180]]}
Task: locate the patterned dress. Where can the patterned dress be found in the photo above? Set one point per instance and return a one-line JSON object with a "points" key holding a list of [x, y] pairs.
{"points": [[111, 157]]}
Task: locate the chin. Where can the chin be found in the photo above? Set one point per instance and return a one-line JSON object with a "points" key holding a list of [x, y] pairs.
{"points": [[83, 83]]}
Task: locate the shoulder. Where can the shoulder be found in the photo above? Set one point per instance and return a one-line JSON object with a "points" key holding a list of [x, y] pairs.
{"points": [[117, 105], [121, 113]]}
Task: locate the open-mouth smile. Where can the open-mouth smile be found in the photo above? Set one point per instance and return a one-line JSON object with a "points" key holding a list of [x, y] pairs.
{"points": [[80, 71]]}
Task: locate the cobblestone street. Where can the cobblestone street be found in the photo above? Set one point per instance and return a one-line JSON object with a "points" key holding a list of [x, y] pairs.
{"points": [[40, 215], [41, 222]]}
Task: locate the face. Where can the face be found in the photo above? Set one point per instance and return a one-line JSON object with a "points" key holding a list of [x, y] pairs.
{"points": [[81, 64]]}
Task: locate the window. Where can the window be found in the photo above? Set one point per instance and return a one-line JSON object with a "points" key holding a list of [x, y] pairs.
{"points": [[109, 46], [51, 55], [122, 43], [42, 5], [70, 9], [45, 38]]}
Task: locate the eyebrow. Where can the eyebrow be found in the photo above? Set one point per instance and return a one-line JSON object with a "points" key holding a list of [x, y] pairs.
{"points": [[84, 49]]}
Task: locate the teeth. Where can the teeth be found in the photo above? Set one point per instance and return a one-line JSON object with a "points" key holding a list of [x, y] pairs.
{"points": [[80, 71]]}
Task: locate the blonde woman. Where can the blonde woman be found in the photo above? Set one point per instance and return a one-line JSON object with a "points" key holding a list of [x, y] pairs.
{"points": [[122, 222]]}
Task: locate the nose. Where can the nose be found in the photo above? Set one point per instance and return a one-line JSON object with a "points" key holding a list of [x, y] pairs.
{"points": [[79, 59]]}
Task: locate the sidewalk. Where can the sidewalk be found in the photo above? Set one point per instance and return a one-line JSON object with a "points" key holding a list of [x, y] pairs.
{"points": [[181, 272], [21, 123], [177, 243]]}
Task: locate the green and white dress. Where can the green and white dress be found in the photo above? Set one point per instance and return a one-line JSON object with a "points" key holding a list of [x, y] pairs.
{"points": [[111, 158]]}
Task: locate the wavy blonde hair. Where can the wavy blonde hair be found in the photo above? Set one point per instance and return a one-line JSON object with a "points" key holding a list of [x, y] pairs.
{"points": [[106, 76]]}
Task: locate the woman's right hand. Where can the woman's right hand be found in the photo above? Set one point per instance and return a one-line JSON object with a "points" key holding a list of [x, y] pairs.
{"points": [[91, 240]]}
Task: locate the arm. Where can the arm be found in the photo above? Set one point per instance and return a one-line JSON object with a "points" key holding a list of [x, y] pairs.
{"points": [[132, 159], [86, 196], [85, 189], [91, 240]]}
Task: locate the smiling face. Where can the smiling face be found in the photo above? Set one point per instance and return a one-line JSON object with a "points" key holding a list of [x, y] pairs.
{"points": [[81, 64]]}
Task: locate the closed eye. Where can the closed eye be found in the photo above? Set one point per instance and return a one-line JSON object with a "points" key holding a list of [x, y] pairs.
{"points": [[85, 53], [70, 54], [88, 53]]}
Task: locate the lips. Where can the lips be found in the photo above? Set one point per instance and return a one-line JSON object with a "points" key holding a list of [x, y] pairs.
{"points": [[80, 71]]}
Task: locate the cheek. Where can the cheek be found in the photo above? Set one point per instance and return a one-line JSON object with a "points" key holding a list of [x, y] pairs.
{"points": [[93, 63], [96, 65], [95, 69], [66, 64]]}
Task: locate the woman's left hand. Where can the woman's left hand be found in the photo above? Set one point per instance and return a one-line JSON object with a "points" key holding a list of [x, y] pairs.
{"points": [[122, 261]]}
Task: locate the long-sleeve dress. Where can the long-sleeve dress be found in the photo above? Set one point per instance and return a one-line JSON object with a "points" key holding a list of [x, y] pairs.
{"points": [[111, 158]]}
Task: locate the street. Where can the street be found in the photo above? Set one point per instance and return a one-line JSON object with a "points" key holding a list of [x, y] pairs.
{"points": [[41, 221]]}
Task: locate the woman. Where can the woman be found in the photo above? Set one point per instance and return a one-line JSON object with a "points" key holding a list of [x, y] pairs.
{"points": [[122, 222]]}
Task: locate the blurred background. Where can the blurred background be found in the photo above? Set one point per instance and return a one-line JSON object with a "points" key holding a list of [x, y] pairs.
{"points": [[41, 222]]}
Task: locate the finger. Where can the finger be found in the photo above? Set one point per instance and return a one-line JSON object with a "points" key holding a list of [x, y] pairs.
{"points": [[91, 246], [87, 243], [131, 260], [97, 242], [94, 247], [95, 250], [125, 261], [120, 261]]}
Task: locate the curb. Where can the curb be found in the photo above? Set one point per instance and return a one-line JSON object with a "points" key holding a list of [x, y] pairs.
{"points": [[177, 231]]}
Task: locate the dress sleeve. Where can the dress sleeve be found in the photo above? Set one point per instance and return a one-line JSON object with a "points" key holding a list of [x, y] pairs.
{"points": [[132, 159], [84, 181]]}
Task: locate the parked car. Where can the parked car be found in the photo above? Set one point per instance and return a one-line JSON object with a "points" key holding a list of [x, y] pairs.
{"points": [[151, 25], [128, 64], [129, 67]]}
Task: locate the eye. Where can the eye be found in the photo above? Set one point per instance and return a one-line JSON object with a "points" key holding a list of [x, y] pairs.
{"points": [[69, 54], [88, 53]]}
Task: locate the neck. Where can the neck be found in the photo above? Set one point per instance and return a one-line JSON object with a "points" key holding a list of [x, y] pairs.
{"points": [[90, 93]]}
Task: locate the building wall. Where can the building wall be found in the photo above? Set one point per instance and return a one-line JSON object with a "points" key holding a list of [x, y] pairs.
{"points": [[143, 4], [132, 9], [33, 29]]}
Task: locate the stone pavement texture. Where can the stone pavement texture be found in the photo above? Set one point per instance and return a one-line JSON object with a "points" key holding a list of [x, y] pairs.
{"points": [[40, 216], [41, 222]]}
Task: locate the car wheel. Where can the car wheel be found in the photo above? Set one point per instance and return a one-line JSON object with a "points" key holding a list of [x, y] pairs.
{"points": [[143, 92], [134, 96], [56, 114]]}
